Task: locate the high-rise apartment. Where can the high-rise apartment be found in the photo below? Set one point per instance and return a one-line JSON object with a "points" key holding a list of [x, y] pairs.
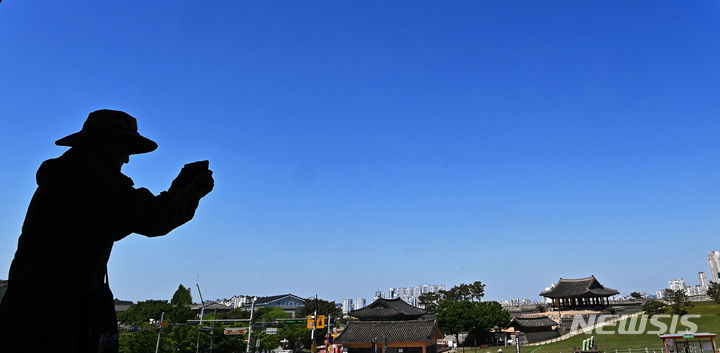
{"points": [[359, 303], [704, 283], [677, 284], [714, 264], [347, 305]]}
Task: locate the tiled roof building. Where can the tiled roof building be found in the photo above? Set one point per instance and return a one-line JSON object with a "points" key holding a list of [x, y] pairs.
{"points": [[535, 329], [388, 309], [579, 293], [390, 326]]}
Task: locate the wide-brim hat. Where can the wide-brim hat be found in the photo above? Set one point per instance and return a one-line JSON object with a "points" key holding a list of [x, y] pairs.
{"points": [[111, 122]]}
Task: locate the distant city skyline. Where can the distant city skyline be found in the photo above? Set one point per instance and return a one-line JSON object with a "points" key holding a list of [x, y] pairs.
{"points": [[713, 262], [410, 294]]}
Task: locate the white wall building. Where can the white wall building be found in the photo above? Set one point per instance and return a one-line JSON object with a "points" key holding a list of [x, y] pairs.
{"points": [[676, 284], [702, 277], [347, 305], [359, 303], [714, 265]]}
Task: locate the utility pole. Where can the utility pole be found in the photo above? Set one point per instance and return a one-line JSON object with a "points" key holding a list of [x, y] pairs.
{"points": [[212, 330], [157, 345], [202, 313], [252, 311], [313, 347]]}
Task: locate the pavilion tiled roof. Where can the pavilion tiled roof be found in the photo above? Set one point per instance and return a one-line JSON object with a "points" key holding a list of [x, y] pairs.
{"points": [[387, 309], [396, 331], [576, 288], [270, 299], [540, 321]]}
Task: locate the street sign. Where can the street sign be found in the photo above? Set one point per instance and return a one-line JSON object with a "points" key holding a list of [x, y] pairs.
{"points": [[271, 330], [235, 331], [320, 321], [310, 322]]}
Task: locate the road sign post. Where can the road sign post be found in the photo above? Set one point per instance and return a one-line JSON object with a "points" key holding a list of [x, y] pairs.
{"points": [[235, 331]]}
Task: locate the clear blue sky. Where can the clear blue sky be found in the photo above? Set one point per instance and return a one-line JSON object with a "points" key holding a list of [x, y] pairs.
{"points": [[369, 144]]}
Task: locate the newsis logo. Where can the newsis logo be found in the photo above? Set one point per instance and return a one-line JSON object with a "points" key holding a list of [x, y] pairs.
{"points": [[642, 324]]}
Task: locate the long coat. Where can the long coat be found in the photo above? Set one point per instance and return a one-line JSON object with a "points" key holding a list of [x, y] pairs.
{"points": [[80, 208]]}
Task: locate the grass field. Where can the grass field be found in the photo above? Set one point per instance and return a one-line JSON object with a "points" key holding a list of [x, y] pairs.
{"points": [[709, 321]]}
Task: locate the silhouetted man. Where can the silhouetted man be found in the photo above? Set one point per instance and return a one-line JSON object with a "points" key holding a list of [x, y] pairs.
{"points": [[58, 278]]}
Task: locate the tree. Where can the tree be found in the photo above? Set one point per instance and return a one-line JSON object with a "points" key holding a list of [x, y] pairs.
{"points": [[636, 295], [461, 310], [679, 301], [430, 300], [269, 314], [323, 307], [237, 313], [141, 313], [714, 291], [461, 292], [490, 315], [654, 307], [182, 296], [455, 317], [477, 290]]}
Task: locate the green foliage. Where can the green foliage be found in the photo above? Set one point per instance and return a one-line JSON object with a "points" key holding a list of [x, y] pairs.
{"points": [[455, 317], [182, 296], [323, 307], [461, 292], [269, 314], [490, 315], [714, 291], [679, 301], [654, 307], [268, 342], [709, 321], [237, 313], [180, 339], [131, 342], [297, 333], [141, 313], [430, 301], [636, 295], [460, 310]]}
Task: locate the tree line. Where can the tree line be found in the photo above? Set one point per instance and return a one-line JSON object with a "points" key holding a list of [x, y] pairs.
{"points": [[139, 326], [461, 310]]}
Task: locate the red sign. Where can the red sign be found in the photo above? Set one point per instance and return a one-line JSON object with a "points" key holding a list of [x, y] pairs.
{"points": [[235, 331]]}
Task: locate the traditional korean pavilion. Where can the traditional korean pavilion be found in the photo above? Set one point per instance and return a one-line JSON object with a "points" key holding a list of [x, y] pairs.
{"points": [[390, 326], [414, 336], [388, 309], [579, 293]]}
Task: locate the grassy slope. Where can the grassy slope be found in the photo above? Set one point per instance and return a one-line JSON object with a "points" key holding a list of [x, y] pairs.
{"points": [[708, 322]]}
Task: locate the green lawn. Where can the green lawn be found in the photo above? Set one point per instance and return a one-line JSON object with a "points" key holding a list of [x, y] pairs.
{"points": [[709, 321]]}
